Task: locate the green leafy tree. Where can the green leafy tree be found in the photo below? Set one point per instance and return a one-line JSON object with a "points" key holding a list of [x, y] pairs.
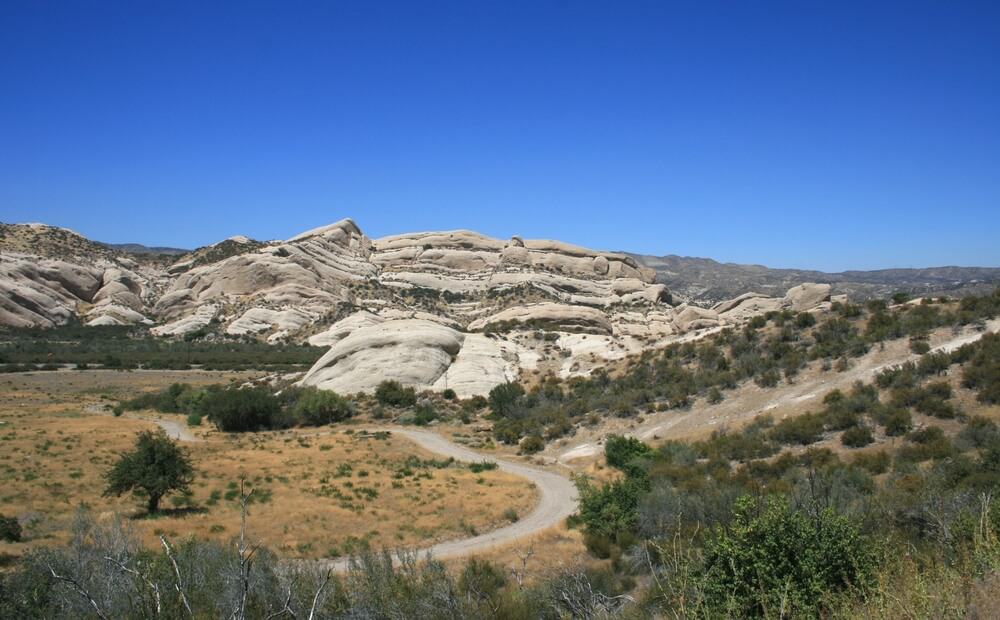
{"points": [[157, 466], [621, 452], [774, 557], [504, 398], [612, 509]]}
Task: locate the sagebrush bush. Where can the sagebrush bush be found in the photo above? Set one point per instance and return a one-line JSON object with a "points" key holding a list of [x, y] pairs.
{"points": [[857, 437]]}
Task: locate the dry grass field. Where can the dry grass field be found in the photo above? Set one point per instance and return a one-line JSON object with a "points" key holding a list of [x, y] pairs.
{"points": [[318, 492]]}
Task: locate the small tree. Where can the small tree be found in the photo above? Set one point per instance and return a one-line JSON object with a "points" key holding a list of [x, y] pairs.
{"points": [[504, 398], [156, 467]]}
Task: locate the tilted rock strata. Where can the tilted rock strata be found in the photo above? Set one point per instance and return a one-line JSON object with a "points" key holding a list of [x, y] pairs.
{"points": [[435, 310]]}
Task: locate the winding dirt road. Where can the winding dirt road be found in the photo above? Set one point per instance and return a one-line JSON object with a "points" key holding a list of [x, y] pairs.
{"points": [[557, 494], [557, 498]]}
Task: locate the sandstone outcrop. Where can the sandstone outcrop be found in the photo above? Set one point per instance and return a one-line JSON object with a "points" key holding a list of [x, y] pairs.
{"points": [[411, 351], [807, 296], [553, 316], [435, 310]]}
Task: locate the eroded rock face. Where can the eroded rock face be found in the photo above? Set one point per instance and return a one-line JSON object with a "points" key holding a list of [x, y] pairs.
{"points": [[807, 296], [199, 320], [552, 316], [43, 292], [411, 351], [435, 310]]}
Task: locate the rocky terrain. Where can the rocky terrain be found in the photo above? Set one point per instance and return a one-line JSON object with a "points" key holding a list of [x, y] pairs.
{"points": [[439, 310], [705, 282]]}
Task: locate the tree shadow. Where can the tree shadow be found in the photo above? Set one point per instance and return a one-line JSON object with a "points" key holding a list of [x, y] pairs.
{"points": [[170, 513]]}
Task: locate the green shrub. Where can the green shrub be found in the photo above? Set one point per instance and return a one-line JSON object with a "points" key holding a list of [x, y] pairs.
{"points": [[982, 371], [804, 429], [194, 419], [532, 444], [925, 444], [804, 320], [392, 393], [10, 529], [504, 398], [481, 466], [612, 509], [979, 432], [449, 394], [621, 451], [779, 558], [857, 437], [424, 414], [315, 407], [896, 420], [241, 410], [873, 462], [474, 404]]}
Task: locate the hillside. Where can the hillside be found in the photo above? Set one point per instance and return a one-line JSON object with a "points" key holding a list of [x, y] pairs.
{"points": [[705, 282], [453, 310]]}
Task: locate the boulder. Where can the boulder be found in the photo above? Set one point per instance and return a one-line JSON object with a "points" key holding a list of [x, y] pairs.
{"points": [[414, 352], [690, 318], [257, 320], [807, 296]]}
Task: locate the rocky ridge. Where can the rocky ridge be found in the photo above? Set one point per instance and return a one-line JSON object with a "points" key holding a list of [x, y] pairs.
{"points": [[436, 310]]}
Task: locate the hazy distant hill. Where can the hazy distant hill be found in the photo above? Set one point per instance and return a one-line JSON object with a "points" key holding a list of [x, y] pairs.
{"points": [[138, 248], [706, 281]]}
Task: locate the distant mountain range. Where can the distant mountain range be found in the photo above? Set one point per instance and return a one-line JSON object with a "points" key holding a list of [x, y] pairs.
{"points": [[705, 281], [138, 248]]}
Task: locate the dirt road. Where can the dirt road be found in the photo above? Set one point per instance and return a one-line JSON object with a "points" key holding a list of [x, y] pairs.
{"points": [[557, 499], [556, 494], [173, 429]]}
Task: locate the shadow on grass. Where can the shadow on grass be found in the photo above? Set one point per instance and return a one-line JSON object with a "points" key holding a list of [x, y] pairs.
{"points": [[170, 513]]}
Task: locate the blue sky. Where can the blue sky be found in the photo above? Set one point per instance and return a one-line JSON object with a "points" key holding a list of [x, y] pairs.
{"points": [[834, 135]]}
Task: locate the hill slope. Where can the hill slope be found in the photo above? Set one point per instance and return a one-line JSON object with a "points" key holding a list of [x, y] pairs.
{"points": [[706, 282]]}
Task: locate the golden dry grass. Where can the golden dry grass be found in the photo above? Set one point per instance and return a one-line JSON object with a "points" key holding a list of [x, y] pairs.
{"points": [[318, 492]]}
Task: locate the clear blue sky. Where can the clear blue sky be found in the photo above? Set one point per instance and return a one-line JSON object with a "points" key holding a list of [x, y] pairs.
{"points": [[828, 135]]}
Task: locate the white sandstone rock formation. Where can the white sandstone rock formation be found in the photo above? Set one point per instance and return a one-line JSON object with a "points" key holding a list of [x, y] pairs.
{"points": [[807, 296], [435, 310]]}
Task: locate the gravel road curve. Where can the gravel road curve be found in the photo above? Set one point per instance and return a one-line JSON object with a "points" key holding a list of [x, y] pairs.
{"points": [[557, 494], [557, 500]]}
